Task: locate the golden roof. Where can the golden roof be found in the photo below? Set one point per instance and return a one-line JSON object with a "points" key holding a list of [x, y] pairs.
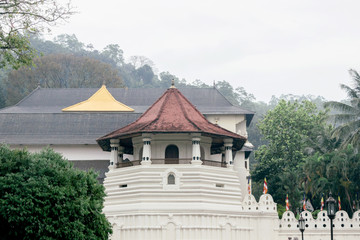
{"points": [[101, 101]]}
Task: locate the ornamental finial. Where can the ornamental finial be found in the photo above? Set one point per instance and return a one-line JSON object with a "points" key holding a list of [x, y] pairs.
{"points": [[173, 84]]}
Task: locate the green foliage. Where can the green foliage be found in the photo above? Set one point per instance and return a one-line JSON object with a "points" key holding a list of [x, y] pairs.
{"points": [[70, 42], [18, 18], [60, 71], [281, 209], [315, 213], [43, 197], [237, 97], [15, 50], [289, 128], [337, 171], [347, 119], [254, 135]]}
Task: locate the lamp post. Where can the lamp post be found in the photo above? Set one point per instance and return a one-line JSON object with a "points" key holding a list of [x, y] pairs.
{"points": [[331, 205], [302, 226]]}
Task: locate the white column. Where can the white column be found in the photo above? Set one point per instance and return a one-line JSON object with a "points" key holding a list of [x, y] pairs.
{"points": [[114, 144], [196, 153], [146, 157], [228, 143]]}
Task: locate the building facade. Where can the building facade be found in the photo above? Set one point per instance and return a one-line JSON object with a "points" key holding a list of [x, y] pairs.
{"points": [[174, 163]]}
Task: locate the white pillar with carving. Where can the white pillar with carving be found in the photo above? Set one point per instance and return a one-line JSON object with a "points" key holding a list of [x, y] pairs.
{"points": [[114, 144], [196, 152], [146, 157], [228, 143]]}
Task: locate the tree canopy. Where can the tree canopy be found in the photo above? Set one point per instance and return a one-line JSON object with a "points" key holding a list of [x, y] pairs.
{"points": [[43, 197], [18, 18], [60, 71], [347, 117], [289, 128], [337, 170]]}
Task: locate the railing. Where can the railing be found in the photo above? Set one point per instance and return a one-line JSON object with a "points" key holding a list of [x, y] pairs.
{"points": [[128, 164], [172, 161], [214, 163]]}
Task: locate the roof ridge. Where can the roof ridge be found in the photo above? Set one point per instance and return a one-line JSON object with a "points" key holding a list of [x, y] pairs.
{"points": [[216, 125], [223, 96], [185, 113], [187, 100], [242, 108], [32, 92], [160, 111], [134, 121]]}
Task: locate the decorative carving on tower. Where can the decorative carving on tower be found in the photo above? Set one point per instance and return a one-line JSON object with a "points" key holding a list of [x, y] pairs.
{"points": [[196, 152], [146, 157], [114, 144]]}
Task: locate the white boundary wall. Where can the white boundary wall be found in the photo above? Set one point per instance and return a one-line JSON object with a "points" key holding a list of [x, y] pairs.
{"points": [[204, 203], [344, 228]]}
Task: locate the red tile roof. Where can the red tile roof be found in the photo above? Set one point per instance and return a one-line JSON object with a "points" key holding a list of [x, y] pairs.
{"points": [[172, 113]]}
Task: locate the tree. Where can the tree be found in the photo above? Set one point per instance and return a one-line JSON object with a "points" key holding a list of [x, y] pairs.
{"points": [[337, 171], [238, 96], [228, 91], [46, 47], [43, 197], [18, 18], [243, 97], [146, 75], [114, 53], [60, 71], [199, 84], [166, 79], [139, 61], [70, 42], [289, 128], [347, 119]]}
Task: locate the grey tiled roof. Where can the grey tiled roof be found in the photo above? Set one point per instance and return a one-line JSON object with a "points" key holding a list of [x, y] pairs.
{"points": [[60, 128], [38, 118], [52, 100]]}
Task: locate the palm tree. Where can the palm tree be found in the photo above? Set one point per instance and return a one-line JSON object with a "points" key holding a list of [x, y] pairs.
{"points": [[347, 121]]}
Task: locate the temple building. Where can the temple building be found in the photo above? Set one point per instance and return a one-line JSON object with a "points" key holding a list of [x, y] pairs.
{"points": [[184, 179], [174, 162], [70, 120]]}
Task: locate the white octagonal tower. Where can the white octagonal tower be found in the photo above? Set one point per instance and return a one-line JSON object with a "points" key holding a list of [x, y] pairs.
{"points": [[171, 176]]}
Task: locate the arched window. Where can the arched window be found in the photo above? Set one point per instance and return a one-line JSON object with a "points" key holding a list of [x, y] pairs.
{"points": [[171, 179], [172, 154]]}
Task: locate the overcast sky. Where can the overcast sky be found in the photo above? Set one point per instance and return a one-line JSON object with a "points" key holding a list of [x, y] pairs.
{"points": [[268, 47]]}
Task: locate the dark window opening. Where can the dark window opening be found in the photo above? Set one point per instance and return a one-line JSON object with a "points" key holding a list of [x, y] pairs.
{"points": [[172, 154]]}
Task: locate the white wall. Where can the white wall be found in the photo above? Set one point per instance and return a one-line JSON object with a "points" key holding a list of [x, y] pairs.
{"points": [[72, 152], [195, 208], [345, 228], [233, 122]]}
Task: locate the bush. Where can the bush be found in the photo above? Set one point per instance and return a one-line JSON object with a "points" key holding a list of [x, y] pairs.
{"points": [[43, 197]]}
